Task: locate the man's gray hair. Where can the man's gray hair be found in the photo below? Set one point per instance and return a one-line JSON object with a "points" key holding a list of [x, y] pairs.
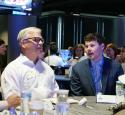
{"points": [[22, 34]]}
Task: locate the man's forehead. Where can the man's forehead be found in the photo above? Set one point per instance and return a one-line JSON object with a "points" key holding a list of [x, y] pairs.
{"points": [[33, 34], [91, 42]]}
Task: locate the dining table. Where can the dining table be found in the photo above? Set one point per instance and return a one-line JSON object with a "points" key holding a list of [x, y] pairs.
{"points": [[90, 108]]}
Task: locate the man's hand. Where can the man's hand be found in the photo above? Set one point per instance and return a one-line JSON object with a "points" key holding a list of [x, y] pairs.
{"points": [[13, 101]]}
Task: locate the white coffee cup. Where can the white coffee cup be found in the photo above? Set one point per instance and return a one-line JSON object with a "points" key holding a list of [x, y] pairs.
{"points": [[36, 106]]}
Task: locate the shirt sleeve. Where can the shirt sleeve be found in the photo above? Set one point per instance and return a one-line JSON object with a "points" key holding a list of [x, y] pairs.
{"points": [[9, 84]]}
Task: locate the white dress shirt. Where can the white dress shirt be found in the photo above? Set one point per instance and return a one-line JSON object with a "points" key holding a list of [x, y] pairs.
{"points": [[23, 72]]}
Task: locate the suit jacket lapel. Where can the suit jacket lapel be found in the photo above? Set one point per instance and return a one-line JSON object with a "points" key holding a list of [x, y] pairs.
{"points": [[105, 73]]}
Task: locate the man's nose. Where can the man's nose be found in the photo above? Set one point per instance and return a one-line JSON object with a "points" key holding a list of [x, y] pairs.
{"points": [[40, 42]]}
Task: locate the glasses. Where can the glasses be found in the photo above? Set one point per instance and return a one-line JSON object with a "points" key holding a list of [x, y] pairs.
{"points": [[35, 39], [3, 46]]}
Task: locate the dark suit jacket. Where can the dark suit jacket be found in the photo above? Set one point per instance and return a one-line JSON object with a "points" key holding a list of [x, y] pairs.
{"points": [[81, 78]]}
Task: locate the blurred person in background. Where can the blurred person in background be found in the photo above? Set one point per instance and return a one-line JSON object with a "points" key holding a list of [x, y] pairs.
{"points": [[53, 58], [78, 55], [118, 57], [28, 71], [121, 57], [2, 47], [111, 51], [3, 58], [71, 50]]}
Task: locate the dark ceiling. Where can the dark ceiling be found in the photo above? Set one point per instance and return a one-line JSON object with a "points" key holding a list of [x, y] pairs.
{"points": [[106, 7], [109, 7]]}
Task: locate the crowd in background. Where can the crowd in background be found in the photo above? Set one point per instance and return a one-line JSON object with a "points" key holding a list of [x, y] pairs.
{"points": [[78, 53]]}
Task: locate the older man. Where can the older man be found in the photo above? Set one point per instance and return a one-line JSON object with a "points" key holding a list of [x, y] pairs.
{"points": [[28, 71]]}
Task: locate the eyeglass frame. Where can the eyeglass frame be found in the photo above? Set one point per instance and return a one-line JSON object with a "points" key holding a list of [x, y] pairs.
{"points": [[34, 39], [3, 46]]}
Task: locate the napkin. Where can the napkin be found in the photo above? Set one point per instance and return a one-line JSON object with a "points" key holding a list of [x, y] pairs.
{"points": [[54, 100], [106, 99]]}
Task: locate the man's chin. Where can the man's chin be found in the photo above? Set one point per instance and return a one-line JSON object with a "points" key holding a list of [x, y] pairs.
{"points": [[91, 58]]}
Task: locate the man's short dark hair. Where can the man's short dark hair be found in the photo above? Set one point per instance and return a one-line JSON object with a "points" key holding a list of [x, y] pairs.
{"points": [[94, 37]]}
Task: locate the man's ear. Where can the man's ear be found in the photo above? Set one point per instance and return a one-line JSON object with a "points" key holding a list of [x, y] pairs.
{"points": [[103, 46], [22, 44]]}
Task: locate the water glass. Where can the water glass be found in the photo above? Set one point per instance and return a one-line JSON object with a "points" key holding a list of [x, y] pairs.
{"points": [[36, 107], [119, 92], [62, 106]]}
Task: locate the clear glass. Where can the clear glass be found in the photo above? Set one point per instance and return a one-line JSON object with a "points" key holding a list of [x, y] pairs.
{"points": [[62, 106], [119, 92], [25, 99], [36, 107]]}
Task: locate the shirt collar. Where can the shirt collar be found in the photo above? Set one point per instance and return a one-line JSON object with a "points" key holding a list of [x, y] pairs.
{"points": [[27, 61], [98, 63]]}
